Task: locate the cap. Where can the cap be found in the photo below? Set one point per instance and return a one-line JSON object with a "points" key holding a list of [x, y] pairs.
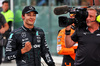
{"points": [[28, 9]]}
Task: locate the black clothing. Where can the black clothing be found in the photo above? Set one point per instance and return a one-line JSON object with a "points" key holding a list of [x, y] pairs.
{"points": [[1, 54], [67, 60], [88, 51], [17, 41], [10, 25], [7, 33], [2, 22]]}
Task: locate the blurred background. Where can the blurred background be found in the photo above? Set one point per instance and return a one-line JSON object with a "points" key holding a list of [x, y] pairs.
{"points": [[46, 19]]}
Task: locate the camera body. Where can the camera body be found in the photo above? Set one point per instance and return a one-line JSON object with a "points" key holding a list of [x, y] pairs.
{"points": [[80, 18]]}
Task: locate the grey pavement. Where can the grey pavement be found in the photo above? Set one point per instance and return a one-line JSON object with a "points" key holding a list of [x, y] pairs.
{"points": [[57, 60]]}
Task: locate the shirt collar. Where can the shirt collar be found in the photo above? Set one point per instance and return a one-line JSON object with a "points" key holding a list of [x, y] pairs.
{"points": [[6, 11], [98, 28], [27, 29]]}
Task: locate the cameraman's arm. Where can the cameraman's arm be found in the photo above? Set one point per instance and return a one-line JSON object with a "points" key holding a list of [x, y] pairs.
{"points": [[3, 29], [68, 41], [4, 26]]}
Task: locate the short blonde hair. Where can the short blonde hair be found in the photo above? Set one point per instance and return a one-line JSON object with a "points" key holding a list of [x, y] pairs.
{"points": [[92, 8]]}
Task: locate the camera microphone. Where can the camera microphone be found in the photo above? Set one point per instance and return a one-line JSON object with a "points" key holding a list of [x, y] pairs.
{"points": [[92, 21], [61, 10]]}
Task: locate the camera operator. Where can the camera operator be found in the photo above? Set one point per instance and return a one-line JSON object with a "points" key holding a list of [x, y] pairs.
{"points": [[88, 51], [68, 53]]}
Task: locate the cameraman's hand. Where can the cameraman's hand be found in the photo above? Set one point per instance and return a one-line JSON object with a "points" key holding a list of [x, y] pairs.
{"points": [[2, 30], [27, 47], [68, 27]]}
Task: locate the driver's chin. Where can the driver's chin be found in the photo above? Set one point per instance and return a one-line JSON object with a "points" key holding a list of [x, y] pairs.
{"points": [[30, 24]]}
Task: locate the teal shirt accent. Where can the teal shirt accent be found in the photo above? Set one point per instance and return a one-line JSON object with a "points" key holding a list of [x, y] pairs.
{"points": [[37, 33], [11, 35]]}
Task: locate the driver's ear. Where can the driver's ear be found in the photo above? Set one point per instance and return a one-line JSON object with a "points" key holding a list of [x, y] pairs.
{"points": [[23, 17]]}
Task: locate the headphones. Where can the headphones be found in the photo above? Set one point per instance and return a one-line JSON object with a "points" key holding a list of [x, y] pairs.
{"points": [[98, 16]]}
